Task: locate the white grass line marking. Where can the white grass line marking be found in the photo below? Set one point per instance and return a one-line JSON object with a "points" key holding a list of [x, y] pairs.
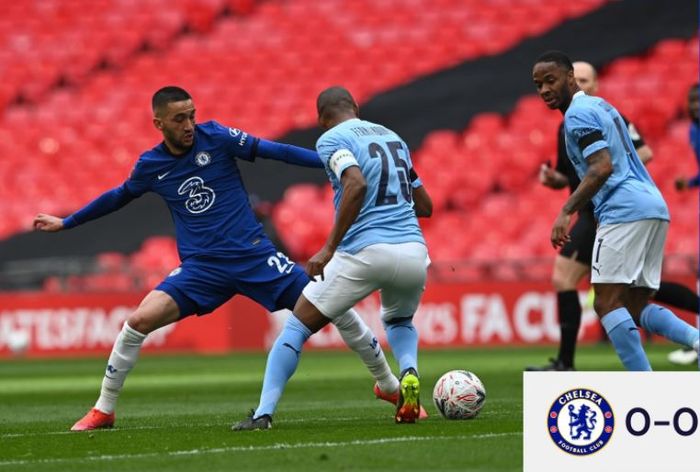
{"points": [[272, 447]]}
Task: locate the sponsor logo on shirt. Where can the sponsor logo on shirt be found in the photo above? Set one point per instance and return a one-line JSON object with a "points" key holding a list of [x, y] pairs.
{"points": [[200, 197], [235, 132]]}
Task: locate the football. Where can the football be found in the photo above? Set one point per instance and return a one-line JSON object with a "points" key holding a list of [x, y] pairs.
{"points": [[459, 395]]}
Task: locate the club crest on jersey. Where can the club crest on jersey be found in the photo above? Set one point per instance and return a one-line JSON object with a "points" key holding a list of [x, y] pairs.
{"points": [[234, 132], [580, 422], [202, 159]]}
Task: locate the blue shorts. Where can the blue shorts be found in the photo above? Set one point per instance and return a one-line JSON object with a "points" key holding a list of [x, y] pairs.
{"points": [[201, 285]]}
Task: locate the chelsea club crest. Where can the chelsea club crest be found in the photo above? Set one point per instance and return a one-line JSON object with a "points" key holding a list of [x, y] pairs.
{"points": [[202, 158], [580, 422]]}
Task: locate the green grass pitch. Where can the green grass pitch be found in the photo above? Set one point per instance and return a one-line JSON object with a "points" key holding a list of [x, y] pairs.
{"points": [[175, 414]]}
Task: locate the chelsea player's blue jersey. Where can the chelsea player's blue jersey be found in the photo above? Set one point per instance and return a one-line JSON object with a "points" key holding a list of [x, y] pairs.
{"points": [[204, 193], [629, 194], [387, 214]]}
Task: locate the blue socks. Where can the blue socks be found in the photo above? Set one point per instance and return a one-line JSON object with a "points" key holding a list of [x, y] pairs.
{"points": [[624, 335], [282, 361], [403, 340], [660, 320]]}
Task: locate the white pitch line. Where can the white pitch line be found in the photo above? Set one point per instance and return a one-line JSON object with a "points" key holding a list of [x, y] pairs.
{"points": [[272, 447], [57, 433]]}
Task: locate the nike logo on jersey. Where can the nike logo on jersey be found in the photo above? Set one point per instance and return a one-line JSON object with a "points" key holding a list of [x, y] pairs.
{"points": [[162, 176]]}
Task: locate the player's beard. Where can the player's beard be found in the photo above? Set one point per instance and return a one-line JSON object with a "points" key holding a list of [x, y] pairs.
{"points": [[177, 144], [565, 97]]}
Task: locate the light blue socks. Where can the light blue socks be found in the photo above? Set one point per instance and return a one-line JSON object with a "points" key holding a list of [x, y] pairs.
{"points": [[282, 361], [624, 335], [660, 320], [403, 339]]}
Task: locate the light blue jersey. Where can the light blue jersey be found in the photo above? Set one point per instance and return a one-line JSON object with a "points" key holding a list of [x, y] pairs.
{"points": [[387, 214], [629, 194]]}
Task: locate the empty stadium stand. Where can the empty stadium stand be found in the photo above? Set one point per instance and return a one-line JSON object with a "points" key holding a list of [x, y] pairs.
{"points": [[79, 74]]}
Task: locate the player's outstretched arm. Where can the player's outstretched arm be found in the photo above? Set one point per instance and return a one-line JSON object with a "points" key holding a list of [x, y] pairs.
{"points": [[288, 153], [106, 203], [354, 190]]}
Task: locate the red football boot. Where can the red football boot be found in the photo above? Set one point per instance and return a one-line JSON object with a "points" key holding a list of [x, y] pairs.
{"points": [[94, 419]]}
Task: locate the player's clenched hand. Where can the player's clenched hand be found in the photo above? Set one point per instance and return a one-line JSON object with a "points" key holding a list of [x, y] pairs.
{"points": [[48, 223], [318, 261], [560, 230]]}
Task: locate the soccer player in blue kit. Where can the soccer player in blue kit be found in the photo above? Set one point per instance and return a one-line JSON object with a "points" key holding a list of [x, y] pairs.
{"points": [[632, 215], [222, 246], [375, 244]]}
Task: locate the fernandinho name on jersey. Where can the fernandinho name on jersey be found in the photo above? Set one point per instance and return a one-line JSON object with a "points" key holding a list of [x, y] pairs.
{"points": [[370, 131]]}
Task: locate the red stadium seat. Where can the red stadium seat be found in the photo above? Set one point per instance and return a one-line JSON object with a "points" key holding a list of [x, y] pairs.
{"points": [[396, 42], [506, 227]]}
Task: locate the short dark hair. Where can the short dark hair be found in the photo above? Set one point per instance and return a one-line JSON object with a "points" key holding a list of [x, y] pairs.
{"points": [[167, 95], [556, 57], [694, 87], [333, 100]]}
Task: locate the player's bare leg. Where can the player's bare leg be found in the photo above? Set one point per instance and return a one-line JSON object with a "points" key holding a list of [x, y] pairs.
{"points": [[156, 310]]}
